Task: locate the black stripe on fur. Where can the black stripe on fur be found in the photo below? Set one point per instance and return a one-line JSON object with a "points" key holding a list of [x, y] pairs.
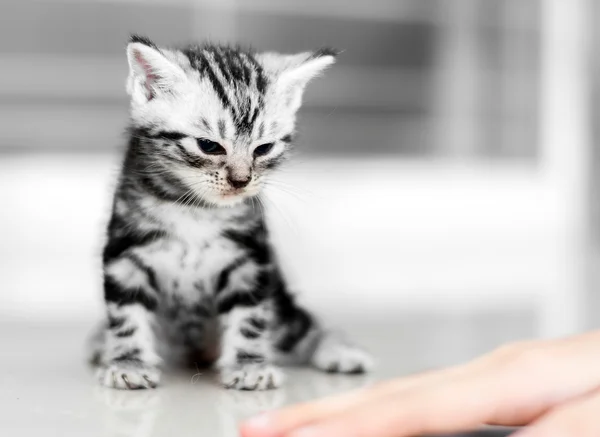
{"points": [[221, 126], [245, 122], [145, 133], [207, 71], [245, 357], [257, 323], [114, 292], [249, 333], [205, 124], [126, 332], [241, 299], [192, 160], [130, 355], [223, 279], [150, 274], [115, 322], [164, 187], [224, 67], [295, 321], [253, 240], [296, 330], [121, 239], [261, 78]]}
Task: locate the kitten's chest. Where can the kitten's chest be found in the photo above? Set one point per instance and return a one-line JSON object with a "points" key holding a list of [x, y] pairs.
{"points": [[189, 261], [190, 268]]}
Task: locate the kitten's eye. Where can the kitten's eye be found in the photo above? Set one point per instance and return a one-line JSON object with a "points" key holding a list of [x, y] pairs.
{"points": [[210, 147], [263, 149]]}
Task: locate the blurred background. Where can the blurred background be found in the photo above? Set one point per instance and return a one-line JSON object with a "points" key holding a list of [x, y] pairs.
{"points": [[442, 201]]}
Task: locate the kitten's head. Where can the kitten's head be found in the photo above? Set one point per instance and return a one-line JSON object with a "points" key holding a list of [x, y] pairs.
{"points": [[217, 118]]}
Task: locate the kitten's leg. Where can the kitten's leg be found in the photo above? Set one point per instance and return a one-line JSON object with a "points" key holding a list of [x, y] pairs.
{"points": [[130, 360], [245, 307], [299, 339], [246, 349]]}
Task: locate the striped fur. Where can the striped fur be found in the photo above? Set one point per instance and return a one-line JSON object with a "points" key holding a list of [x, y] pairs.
{"points": [[189, 272]]}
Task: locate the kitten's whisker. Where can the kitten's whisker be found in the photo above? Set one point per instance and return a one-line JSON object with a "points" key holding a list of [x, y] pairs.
{"points": [[292, 225], [261, 205], [195, 197], [301, 196], [290, 187], [252, 200], [287, 184], [189, 195], [182, 198], [287, 193]]}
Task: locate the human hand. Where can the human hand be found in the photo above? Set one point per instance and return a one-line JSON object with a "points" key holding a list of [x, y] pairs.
{"points": [[550, 385]]}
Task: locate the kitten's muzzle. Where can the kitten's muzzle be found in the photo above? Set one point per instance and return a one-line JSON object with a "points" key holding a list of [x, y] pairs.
{"points": [[238, 183]]}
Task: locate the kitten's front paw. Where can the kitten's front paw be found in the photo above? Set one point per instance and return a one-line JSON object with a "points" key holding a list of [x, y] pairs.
{"points": [[252, 377], [335, 356], [128, 376]]}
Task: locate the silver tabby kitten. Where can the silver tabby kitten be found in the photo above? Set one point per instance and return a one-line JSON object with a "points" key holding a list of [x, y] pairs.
{"points": [[189, 274]]}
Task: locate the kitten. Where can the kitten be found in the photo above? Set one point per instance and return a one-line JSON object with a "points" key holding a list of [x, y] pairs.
{"points": [[187, 257]]}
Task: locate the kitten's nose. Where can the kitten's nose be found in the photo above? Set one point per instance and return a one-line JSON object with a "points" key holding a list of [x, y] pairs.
{"points": [[237, 182]]}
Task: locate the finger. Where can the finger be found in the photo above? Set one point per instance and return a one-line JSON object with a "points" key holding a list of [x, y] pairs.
{"points": [[279, 422], [507, 387], [451, 407], [467, 400], [577, 418]]}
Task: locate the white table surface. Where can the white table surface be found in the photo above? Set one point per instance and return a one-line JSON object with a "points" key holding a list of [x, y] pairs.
{"points": [[46, 388]]}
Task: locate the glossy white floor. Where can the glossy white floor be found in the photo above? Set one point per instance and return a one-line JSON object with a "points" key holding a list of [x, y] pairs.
{"points": [[45, 388]]}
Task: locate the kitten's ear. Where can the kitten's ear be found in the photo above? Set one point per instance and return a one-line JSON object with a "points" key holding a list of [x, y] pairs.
{"points": [[150, 71], [293, 72]]}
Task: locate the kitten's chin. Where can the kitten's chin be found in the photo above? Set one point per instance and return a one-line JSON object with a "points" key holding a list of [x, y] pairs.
{"points": [[228, 200]]}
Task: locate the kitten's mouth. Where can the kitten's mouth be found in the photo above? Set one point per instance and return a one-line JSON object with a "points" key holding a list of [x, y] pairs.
{"points": [[236, 195], [239, 192], [233, 193]]}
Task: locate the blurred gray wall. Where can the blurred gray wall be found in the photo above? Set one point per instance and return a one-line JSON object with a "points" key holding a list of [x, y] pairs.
{"points": [[447, 78]]}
